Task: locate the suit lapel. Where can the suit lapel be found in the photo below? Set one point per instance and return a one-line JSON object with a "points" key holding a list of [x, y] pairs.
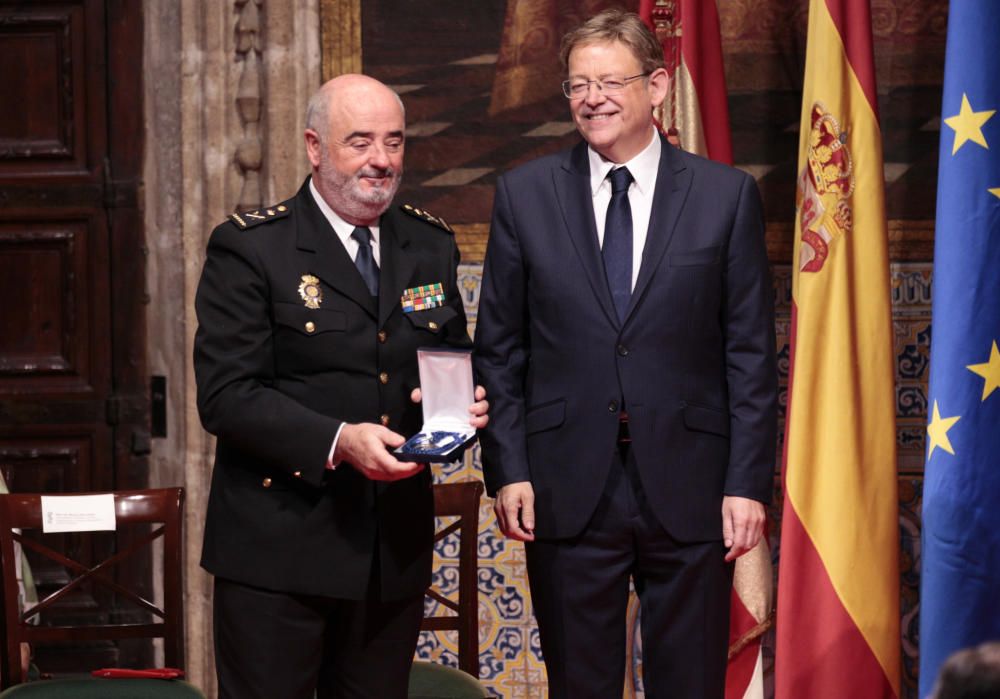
{"points": [[332, 263], [673, 182], [396, 267], [572, 183]]}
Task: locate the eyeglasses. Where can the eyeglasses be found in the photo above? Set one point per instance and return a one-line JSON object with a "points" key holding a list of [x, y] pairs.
{"points": [[574, 89]]}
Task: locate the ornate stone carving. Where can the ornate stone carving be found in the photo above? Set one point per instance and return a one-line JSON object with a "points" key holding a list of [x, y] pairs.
{"points": [[249, 151]]}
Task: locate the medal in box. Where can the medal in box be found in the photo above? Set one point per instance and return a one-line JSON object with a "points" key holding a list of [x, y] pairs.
{"points": [[447, 391]]}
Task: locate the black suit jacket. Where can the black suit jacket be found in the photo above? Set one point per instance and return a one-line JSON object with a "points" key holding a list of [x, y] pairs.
{"points": [[693, 362], [276, 379]]}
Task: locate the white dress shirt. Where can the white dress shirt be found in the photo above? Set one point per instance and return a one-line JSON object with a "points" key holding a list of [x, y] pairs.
{"points": [[643, 168]]}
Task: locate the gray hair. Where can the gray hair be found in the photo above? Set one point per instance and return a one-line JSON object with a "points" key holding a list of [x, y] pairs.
{"points": [[621, 26]]}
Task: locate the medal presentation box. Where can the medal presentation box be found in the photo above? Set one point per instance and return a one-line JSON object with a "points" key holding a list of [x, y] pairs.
{"points": [[447, 392]]}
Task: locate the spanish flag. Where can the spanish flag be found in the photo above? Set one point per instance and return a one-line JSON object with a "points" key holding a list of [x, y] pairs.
{"points": [[838, 578], [688, 31]]}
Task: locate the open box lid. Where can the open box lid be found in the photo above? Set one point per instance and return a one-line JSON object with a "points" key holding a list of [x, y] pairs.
{"points": [[447, 390]]}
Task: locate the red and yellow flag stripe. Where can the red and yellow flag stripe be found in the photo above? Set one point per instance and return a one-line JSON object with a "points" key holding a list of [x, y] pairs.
{"points": [[838, 583], [688, 30]]}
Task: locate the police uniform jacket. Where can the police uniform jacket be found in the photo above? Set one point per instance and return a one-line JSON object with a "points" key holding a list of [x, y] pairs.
{"points": [[290, 344]]}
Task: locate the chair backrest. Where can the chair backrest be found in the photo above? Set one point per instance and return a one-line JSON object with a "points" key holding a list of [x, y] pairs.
{"points": [[142, 518], [460, 500]]}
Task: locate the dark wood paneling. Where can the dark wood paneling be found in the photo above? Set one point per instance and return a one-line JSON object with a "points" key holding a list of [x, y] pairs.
{"points": [[51, 276], [37, 51], [73, 380], [47, 51], [129, 296], [50, 463]]}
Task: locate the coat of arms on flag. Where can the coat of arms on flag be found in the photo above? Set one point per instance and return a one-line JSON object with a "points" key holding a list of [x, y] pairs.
{"points": [[824, 189]]}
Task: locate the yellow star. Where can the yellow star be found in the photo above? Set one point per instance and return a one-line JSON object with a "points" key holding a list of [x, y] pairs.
{"points": [[995, 192], [989, 371], [937, 430], [968, 125]]}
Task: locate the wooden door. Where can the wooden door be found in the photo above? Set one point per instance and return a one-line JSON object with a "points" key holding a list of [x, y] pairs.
{"points": [[73, 385]]}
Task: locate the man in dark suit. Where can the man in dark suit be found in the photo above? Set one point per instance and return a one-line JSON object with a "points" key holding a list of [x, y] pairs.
{"points": [[320, 540], [625, 334]]}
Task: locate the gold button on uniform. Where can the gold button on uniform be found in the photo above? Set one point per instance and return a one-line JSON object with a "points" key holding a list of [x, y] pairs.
{"points": [[384, 419], [297, 474], [266, 483], [310, 327], [383, 378], [432, 325], [382, 336]]}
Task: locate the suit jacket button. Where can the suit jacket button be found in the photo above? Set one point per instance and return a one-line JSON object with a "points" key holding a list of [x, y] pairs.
{"points": [[266, 483], [297, 474], [382, 336], [384, 419], [613, 406], [310, 327], [383, 378], [622, 350]]}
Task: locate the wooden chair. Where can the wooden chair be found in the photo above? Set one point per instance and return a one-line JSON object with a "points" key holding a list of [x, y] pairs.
{"points": [[142, 518], [433, 680]]}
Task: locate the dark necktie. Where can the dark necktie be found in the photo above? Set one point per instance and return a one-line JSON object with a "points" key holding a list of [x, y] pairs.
{"points": [[364, 261], [617, 249]]}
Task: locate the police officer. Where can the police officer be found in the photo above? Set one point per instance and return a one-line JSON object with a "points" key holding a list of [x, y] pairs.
{"points": [[319, 539]]}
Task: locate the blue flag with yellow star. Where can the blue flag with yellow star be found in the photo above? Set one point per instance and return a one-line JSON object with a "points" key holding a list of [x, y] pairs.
{"points": [[960, 571]]}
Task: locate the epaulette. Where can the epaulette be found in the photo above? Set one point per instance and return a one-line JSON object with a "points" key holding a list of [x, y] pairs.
{"points": [[249, 219], [425, 216]]}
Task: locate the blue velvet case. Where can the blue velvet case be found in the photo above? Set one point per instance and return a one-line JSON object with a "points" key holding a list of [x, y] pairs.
{"points": [[447, 392]]}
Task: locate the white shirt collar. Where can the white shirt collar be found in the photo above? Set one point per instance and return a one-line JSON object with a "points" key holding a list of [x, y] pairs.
{"points": [[643, 167], [342, 228]]}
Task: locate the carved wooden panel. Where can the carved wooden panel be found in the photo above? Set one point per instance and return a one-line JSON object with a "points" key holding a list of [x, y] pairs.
{"points": [[73, 409], [47, 463], [43, 50], [51, 298]]}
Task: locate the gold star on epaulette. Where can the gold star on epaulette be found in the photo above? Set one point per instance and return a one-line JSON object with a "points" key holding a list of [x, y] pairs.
{"points": [[249, 219], [426, 216]]}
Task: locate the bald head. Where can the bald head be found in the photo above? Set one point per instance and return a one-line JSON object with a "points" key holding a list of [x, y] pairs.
{"points": [[344, 89], [354, 140]]}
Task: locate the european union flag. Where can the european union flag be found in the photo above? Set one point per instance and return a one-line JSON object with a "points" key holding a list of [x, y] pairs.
{"points": [[960, 573]]}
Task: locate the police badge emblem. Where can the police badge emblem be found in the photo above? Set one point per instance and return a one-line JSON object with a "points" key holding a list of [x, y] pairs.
{"points": [[310, 291]]}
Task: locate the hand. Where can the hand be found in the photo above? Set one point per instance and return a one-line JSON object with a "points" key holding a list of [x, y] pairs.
{"points": [[478, 409], [366, 447], [515, 510], [25, 658], [742, 524]]}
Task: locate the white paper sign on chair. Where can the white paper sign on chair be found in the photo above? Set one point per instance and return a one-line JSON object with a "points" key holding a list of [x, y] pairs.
{"points": [[78, 513]]}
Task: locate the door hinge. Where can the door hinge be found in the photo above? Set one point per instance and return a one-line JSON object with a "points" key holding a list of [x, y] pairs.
{"points": [[158, 406], [113, 410], [110, 189]]}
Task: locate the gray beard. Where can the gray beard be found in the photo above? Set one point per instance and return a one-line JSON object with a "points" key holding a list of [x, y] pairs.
{"points": [[347, 192]]}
